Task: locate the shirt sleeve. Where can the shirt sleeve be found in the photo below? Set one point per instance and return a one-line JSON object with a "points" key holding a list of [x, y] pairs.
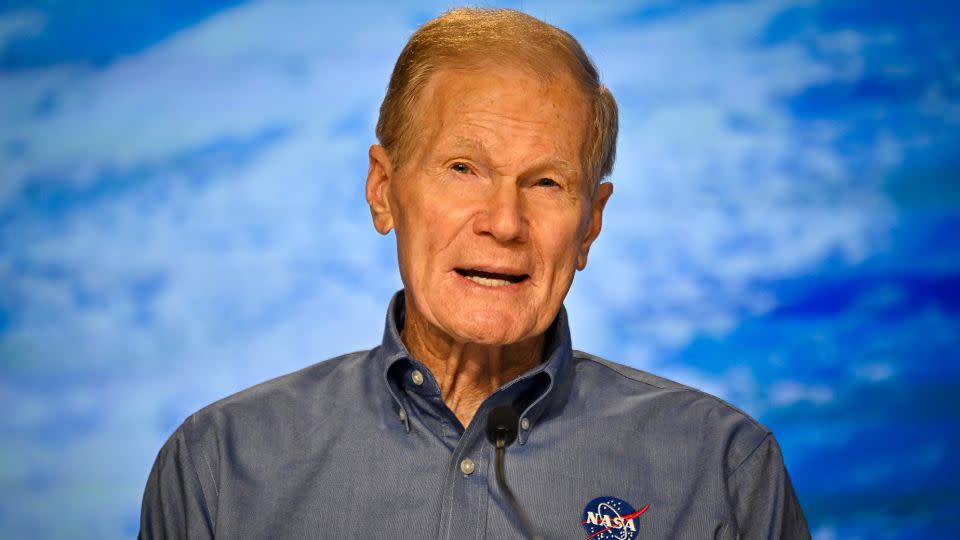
{"points": [[765, 503], [174, 505]]}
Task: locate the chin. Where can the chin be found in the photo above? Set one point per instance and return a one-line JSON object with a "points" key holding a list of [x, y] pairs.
{"points": [[491, 327]]}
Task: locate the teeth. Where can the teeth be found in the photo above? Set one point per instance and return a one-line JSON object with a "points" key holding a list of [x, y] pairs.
{"points": [[488, 282]]}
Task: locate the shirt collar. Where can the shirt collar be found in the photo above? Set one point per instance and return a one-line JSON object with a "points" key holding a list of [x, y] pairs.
{"points": [[555, 371]]}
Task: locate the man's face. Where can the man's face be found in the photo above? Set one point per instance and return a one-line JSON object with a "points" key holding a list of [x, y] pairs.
{"points": [[491, 210]]}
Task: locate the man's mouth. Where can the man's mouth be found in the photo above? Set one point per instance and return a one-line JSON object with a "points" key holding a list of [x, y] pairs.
{"points": [[491, 279]]}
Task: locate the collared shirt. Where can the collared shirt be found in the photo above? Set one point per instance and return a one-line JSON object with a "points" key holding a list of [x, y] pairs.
{"points": [[363, 446]]}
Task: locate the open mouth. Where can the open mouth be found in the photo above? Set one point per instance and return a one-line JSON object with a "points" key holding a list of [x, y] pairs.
{"points": [[491, 279]]}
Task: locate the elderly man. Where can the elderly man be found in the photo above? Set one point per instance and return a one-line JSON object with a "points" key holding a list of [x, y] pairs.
{"points": [[495, 134]]}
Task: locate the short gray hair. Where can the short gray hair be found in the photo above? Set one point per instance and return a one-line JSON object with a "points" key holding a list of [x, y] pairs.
{"points": [[468, 37]]}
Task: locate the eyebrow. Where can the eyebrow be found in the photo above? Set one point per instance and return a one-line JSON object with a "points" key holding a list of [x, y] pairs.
{"points": [[561, 165]]}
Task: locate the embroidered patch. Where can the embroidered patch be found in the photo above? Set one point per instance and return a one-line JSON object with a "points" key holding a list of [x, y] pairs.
{"points": [[609, 518]]}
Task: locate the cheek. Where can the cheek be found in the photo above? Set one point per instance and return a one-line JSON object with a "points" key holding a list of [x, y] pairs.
{"points": [[560, 245], [426, 229]]}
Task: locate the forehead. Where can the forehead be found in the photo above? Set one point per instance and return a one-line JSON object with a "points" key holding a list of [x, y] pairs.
{"points": [[491, 106]]}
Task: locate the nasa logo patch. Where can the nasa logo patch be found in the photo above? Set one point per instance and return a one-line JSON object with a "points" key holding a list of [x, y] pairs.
{"points": [[609, 518]]}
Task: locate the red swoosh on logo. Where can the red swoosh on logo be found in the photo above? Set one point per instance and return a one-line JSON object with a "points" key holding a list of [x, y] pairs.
{"points": [[625, 518]]}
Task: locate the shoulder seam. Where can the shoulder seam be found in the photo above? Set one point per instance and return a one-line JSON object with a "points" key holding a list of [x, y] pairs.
{"points": [[186, 447], [213, 479], [275, 380], [750, 454], [590, 358], [679, 388]]}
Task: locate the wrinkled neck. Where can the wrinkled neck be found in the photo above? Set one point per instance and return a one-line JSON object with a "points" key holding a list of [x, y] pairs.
{"points": [[468, 372]]}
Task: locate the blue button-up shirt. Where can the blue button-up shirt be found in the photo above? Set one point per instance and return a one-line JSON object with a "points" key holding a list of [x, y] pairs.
{"points": [[363, 446]]}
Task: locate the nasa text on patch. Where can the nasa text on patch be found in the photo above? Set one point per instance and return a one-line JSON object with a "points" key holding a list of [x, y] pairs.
{"points": [[610, 518]]}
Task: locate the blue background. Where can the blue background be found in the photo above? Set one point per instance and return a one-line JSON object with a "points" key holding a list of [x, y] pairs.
{"points": [[182, 216]]}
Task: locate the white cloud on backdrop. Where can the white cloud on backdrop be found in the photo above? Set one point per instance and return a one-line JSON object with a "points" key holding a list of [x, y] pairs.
{"points": [[707, 198], [232, 243]]}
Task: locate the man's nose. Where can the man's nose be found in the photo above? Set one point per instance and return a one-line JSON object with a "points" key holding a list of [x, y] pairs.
{"points": [[503, 217]]}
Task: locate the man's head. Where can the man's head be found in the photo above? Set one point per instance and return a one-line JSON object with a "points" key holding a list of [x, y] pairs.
{"points": [[488, 179]]}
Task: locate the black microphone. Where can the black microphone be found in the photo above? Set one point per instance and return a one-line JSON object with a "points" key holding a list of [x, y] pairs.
{"points": [[502, 431]]}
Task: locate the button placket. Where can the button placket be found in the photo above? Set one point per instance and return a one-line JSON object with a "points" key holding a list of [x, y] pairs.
{"points": [[465, 506]]}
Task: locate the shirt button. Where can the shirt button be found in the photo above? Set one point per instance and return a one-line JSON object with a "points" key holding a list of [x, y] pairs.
{"points": [[467, 466], [524, 423], [403, 415], [416, 377]]}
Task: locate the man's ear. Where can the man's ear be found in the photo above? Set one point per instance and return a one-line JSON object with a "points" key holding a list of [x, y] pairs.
{"points": [[378, 188], [597, 204]]}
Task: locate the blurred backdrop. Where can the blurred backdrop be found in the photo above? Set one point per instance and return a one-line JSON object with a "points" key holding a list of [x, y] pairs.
{"points": [[182, 216]]}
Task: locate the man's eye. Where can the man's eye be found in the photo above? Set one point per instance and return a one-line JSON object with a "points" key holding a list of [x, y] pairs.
{"points": [[460, 167], [546, 182]]}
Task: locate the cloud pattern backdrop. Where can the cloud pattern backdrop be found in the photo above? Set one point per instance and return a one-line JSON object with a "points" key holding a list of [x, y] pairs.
{"points": [[182, 216]]}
